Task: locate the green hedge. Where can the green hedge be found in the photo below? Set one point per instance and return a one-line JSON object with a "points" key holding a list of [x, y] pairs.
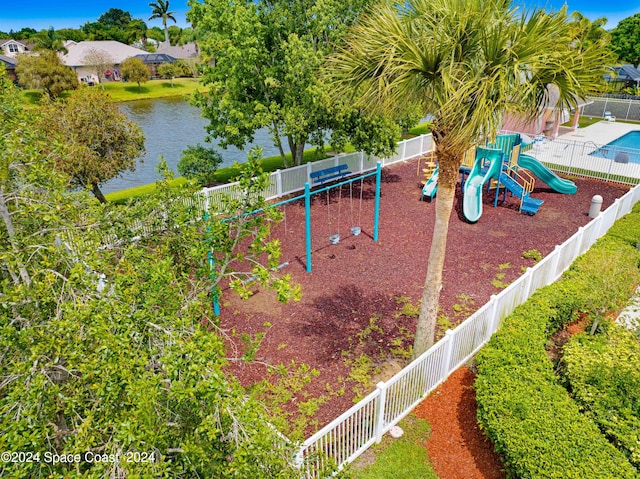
{"points": [[530, 417], [603, 371]]}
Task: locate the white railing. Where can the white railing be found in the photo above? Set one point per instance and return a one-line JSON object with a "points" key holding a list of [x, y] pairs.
{"points": [[621, 108], [349, 435], [588, 160], [292, 180]]}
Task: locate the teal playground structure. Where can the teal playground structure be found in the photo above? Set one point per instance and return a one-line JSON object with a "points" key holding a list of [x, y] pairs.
{"points": [[502, 167]]}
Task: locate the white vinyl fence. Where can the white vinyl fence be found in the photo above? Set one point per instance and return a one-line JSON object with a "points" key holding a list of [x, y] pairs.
{"points": [[349, 435], [292, 180], [589, 160]]}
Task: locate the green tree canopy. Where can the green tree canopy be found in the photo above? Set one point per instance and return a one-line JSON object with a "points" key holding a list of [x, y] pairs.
{"points": [[169, 70], [109, 349], [625, 39], [263, 72], [45, 71], [105, 142], [467, 63], [133, 69]]}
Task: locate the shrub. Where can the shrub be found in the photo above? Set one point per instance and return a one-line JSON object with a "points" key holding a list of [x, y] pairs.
{"points": [[604, 374], [199, 163], [531, 418]]}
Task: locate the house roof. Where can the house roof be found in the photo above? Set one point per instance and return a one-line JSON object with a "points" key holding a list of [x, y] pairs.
{"points": [[9, 62], [188, 50], [4, 41], [117, 51], [624, 73], [156, 58]]}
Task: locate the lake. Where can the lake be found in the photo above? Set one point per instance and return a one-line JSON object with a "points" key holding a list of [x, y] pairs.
{"points": [[169, 126]]}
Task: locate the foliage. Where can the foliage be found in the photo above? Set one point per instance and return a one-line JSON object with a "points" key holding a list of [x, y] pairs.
{"points": [[111, 25], [530, 417], [133, 69], [98, 61], [532, 254], [111, 352], [625, 39], [402, 458], [199, 163], [466, 64], [46, 72], [262, 61], [105, 143], [169, 70], [161, 10], [49, 40], [604, 373]]}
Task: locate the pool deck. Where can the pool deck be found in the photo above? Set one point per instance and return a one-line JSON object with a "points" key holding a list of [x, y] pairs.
{"points": [[602, 132], [570, 152]]}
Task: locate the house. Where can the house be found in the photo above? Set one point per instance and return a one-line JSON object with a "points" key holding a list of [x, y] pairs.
{"points": [[111, 54], [10, 66], [623, 76], [11, 48], [153, 60], [188, 50]]}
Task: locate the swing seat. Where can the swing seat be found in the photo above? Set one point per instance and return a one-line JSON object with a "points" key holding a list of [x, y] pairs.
{"points": [[328, 174]]}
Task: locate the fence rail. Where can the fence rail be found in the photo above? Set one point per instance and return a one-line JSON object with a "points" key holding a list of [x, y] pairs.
{"points": [[622, 108], [348, 436], [292, 180]]}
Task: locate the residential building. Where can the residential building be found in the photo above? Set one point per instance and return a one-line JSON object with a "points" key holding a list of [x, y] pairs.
{"points": [[78, 57]]}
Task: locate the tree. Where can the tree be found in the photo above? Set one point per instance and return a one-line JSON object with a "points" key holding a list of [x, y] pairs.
{"points": [[49, 40], [110, 351], [588, 32], [161, 10], [99, 62], [625, 39], [466, 63], [261, 60], [115, 18], [199, 163], [105, 143], [45, 71], [169, 70], [134, 69], [137, 32]]}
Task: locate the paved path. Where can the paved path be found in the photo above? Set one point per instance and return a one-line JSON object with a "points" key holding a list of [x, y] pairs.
{"points": [[630, 316]]}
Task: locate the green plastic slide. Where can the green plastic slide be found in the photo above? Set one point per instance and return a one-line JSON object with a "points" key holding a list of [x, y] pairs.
{"points": [[556, 183]]}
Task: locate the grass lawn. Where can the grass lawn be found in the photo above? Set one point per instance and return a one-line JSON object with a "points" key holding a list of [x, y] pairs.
{"points": [[124, 91], [402, 458]]}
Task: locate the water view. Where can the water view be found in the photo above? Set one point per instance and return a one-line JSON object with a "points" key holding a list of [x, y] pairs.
{"points": [[170, 125]]}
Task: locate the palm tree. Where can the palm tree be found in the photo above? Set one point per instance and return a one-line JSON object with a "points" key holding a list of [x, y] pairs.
{"points": [[161, 10], [466, 62]]}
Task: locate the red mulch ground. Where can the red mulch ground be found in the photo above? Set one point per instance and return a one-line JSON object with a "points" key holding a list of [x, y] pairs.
{"points": [[359, 279]]}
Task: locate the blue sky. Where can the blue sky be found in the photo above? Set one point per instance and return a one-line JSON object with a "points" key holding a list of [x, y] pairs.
{"points": [[42, 14]]}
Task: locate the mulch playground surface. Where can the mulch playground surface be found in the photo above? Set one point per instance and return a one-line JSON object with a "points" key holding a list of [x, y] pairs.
{"points": [[350, 311]]}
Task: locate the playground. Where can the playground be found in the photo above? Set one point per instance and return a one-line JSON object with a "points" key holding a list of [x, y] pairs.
{"points": [[355, 321]]}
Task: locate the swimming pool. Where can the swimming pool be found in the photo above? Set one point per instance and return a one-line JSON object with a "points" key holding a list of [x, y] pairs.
{"points": [[625, 149]]}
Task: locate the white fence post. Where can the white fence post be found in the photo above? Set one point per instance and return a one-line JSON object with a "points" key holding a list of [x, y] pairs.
{"points": [[278, 182], [382, 399], [493, 314], [449, 335]]}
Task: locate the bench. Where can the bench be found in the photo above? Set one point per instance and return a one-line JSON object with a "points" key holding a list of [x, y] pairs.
{"points": [[328, 174]]}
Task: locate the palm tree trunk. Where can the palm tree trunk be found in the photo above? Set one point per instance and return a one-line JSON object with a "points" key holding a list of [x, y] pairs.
{"points": [[449, 165]]}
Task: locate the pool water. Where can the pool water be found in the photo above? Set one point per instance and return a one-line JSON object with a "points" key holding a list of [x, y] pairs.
{"points": [[625, 149]]}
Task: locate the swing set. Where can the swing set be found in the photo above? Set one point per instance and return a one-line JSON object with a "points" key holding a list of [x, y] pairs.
{"points": [[355, 229], [334, 238]]}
